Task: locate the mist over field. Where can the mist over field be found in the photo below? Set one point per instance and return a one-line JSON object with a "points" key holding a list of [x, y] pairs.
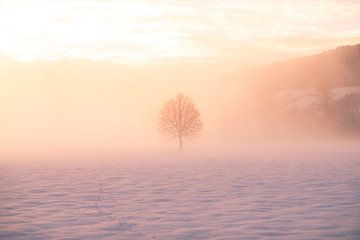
{"points": [[83, 106], [193, 120], [278, 155]]}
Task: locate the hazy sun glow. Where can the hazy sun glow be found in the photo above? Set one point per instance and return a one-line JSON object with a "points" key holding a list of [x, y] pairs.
{"points": [[132, 31]]}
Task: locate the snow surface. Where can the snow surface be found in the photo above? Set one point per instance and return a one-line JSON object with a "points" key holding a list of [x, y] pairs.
{"points": [[338, 93], [309, 98], [294, 93], [305, 102], [299, 98], [298, 195]]}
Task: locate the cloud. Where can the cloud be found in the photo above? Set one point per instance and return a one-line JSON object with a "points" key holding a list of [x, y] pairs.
{"points": [[148, 30]]}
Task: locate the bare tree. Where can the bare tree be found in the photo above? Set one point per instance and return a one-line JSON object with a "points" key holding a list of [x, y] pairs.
{"points": [[179, 118]]}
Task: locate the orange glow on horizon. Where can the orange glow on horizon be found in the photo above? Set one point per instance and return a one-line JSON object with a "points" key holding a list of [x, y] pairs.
{"points": [[142, 31]]}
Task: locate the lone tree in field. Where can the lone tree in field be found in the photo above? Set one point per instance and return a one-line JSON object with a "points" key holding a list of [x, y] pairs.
{"points": [[179, 118]]}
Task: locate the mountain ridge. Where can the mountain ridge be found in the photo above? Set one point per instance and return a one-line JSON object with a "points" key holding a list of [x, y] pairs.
{"points": [[337, 67]]}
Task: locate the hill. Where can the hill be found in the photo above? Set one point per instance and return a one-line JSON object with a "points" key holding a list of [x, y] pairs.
{"points": [[337, 68]]}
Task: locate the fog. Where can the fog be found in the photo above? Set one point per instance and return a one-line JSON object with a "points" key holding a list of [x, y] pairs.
{"points": [[81, 154], [83, 107]]}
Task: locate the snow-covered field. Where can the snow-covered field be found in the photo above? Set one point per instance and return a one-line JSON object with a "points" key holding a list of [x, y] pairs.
{"points": [[267, 195], [310, 99]]}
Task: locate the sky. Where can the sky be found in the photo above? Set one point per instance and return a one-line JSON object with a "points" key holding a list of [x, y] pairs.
{"points": [[139, 31]]}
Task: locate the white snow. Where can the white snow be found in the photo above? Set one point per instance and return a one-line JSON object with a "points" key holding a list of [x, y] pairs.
{"points": [[305, 102], [293, 93], [338, 93], [309, 99], [299, 98], [297, 195]]}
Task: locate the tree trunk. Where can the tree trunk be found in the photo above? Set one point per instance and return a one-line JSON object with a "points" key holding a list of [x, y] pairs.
{"points": [[180, 144]]}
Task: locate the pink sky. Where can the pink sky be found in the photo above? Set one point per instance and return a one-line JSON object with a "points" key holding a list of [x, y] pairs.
{"points": [[128, 31]]}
